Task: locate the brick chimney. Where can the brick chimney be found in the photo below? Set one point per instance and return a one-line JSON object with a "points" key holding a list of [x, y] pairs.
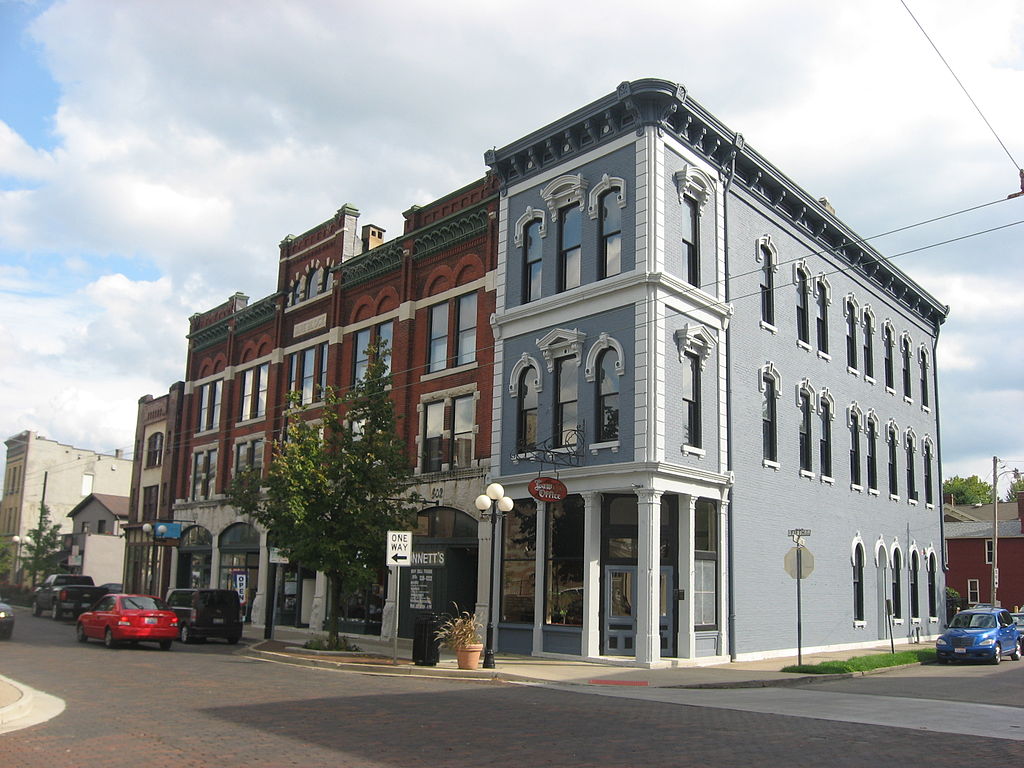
{"points": [[372, 236]]}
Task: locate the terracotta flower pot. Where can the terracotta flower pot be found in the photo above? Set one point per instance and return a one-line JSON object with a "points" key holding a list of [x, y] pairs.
{"points": [[469, 655]]}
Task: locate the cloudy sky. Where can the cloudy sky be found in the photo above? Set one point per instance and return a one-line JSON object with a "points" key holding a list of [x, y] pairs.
{"points": [[153, 155]]}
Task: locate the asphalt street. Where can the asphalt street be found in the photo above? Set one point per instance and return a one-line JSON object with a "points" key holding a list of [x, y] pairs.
{"points": [[206, 705]]}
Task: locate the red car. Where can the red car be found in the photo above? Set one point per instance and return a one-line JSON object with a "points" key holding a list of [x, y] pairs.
{"points": [[129, 617]]}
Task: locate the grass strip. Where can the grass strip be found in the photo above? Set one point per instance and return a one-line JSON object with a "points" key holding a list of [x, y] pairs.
{"points": [[865, 663]]}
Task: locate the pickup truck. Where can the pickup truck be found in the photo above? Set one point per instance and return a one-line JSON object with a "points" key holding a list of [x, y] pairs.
{"points": [[63, 593]]}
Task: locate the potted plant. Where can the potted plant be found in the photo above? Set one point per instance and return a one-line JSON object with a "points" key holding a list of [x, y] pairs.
{"points": [[461, 633]]}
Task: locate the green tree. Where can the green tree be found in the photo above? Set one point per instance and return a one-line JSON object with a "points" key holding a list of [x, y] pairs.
{"points": [[41, 546], [968, 490], [7, 559], [335, 486], [1015, 486]]}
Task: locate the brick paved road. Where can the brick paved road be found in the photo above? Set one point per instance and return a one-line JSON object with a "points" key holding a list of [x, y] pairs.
{"points": [[205, 706]]}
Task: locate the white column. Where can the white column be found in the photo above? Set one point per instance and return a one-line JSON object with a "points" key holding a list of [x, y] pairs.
{"points": [[539, 581], [263, 586], [648, 645], [591, 574], [684, 607], [215, 565]]}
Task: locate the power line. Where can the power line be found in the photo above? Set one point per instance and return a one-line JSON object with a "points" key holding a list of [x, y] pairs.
{"points": [[1016, 165]]}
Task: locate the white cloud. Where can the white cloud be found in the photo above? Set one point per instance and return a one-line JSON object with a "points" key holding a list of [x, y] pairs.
{"points": [[193, 138]]}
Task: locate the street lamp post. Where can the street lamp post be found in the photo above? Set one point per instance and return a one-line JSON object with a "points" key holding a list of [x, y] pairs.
{"points": [[159, 530], [495, 503], [996, 474]]}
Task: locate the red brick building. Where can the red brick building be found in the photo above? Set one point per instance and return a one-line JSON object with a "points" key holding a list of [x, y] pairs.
{"points": [[969, 552], [430, 293]]}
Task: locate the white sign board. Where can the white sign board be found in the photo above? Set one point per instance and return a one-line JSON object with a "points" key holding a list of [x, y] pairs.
{"points": [[275, 556], [399, 548]]}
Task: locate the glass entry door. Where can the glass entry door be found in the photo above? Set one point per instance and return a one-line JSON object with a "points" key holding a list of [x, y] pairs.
{"points": [[619, 630]]}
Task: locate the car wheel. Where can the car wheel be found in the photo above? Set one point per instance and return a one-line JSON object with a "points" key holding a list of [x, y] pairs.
{"points": [[80, 633], [55, 611], [1016, 652], [184, 634], [108, 639], [165, 645], [998, 655], [36, 610], [233, 640], [941, 660]]}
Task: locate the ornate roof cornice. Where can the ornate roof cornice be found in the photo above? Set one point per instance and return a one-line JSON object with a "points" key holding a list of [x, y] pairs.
{"points": [[667, 107], [367, 266]]}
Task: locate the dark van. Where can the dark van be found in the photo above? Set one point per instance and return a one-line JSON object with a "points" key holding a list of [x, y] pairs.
{"points": [[204, 613]]}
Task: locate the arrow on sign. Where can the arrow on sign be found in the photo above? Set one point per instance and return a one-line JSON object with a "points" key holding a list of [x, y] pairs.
{"points": [[399, 558]]}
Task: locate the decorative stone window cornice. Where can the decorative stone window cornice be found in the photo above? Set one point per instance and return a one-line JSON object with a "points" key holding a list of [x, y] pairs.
{"points": [[604, 341], [695, 183], [880, 548], [804, 388], [825, 398], [530, 215], [853, 409], [525, 361], [764, 249], [922, 354], [871, 418], [563, 191], [560, 343], [800, 270], [604, 185], [910, 436], [892, 431], [850, 306], [895, 548], [822, 285], [768, 371], [697, 340], [868, 315], [928, 443], [855, 543]]}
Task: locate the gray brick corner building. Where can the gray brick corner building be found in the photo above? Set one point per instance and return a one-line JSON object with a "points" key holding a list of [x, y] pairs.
{"points": [[705, 358]]}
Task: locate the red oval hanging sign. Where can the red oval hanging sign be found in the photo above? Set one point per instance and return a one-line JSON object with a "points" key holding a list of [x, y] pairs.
{"points": [[547, 489]]}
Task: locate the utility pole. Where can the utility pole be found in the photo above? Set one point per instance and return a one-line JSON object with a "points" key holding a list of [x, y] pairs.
{"points": [[995, 530]]}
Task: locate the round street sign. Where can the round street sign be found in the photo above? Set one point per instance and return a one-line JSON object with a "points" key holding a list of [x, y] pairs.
{"points": [[547, 489], [806, 563]]}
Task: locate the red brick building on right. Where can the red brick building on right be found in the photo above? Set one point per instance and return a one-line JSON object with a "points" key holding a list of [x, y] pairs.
{"points": [[969, 547]]}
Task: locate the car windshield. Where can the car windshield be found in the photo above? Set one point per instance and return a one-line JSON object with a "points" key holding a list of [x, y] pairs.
{"points": [[973, 621], [143, 603]]}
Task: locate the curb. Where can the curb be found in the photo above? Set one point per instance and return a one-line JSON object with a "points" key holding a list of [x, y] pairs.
{"points": [[801, 679], [19, 708]]}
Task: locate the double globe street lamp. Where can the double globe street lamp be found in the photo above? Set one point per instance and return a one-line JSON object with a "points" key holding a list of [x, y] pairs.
{"points": [[160, 530], [495, 503]]}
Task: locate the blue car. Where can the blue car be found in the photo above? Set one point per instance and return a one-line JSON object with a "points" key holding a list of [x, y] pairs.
{"points": [[985, 634]]}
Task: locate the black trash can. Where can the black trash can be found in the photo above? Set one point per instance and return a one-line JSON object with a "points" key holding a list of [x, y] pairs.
{"points": [[426, 648]]}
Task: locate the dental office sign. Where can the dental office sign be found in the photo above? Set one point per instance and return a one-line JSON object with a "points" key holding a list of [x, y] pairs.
{"points": [[547, 489]]}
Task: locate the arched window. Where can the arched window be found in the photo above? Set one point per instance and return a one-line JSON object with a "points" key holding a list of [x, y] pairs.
{"points": [[570, 247], [893, 438], [822, 321], [911, 469], [897, 584], [155, 450], [526, 410], [769, 417], [872, 451], [607, 395], [851, 334], [855, 476], [905, 351], [297, 291], [314, 283], [869, 343], [887, 350], [691, 241], [804, 401], [929, 480], [915, 598], [803, 298], [825, 438], [768, 260], [932, 597], [532, 262], [924, 378], [611, 233], [858, 583]]}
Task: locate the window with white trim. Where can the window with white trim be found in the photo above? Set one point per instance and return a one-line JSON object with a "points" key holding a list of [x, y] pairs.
{"points": [[610, 224], [909, 442], [825, 436], [929, 480], [607, 396], [858, 582], [893, 439], [768, 267], [851, 334], [897, 584], [691, 425], [915, 597], [872, 452], [924, 377], [869, 343], [823, 297], [526, 409], [691, 241], [855, 462], [209, 405], [567, 401], [804, 404], [532, 261], [888, 344], [905, 347], [973, 592], [253, 401], [204, 474], [248, 455], [803, 298], [570, 247]]}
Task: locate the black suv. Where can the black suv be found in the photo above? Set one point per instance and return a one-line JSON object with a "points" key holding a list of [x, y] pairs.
{"points": [[204, 613]]}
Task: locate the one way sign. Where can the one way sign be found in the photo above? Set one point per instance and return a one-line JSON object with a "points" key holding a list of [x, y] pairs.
{"points": [[399, 548]]}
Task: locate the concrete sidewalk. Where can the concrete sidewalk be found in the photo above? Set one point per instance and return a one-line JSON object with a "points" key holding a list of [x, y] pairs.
{"points": [[286, 648]]}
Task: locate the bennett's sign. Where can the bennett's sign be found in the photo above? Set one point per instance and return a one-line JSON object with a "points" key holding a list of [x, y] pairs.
{"points": [[547, 489]]}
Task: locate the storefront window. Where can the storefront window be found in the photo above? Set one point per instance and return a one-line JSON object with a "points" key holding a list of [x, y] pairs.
{"points": [[518, 573], [564, 562], [705, 555]]}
